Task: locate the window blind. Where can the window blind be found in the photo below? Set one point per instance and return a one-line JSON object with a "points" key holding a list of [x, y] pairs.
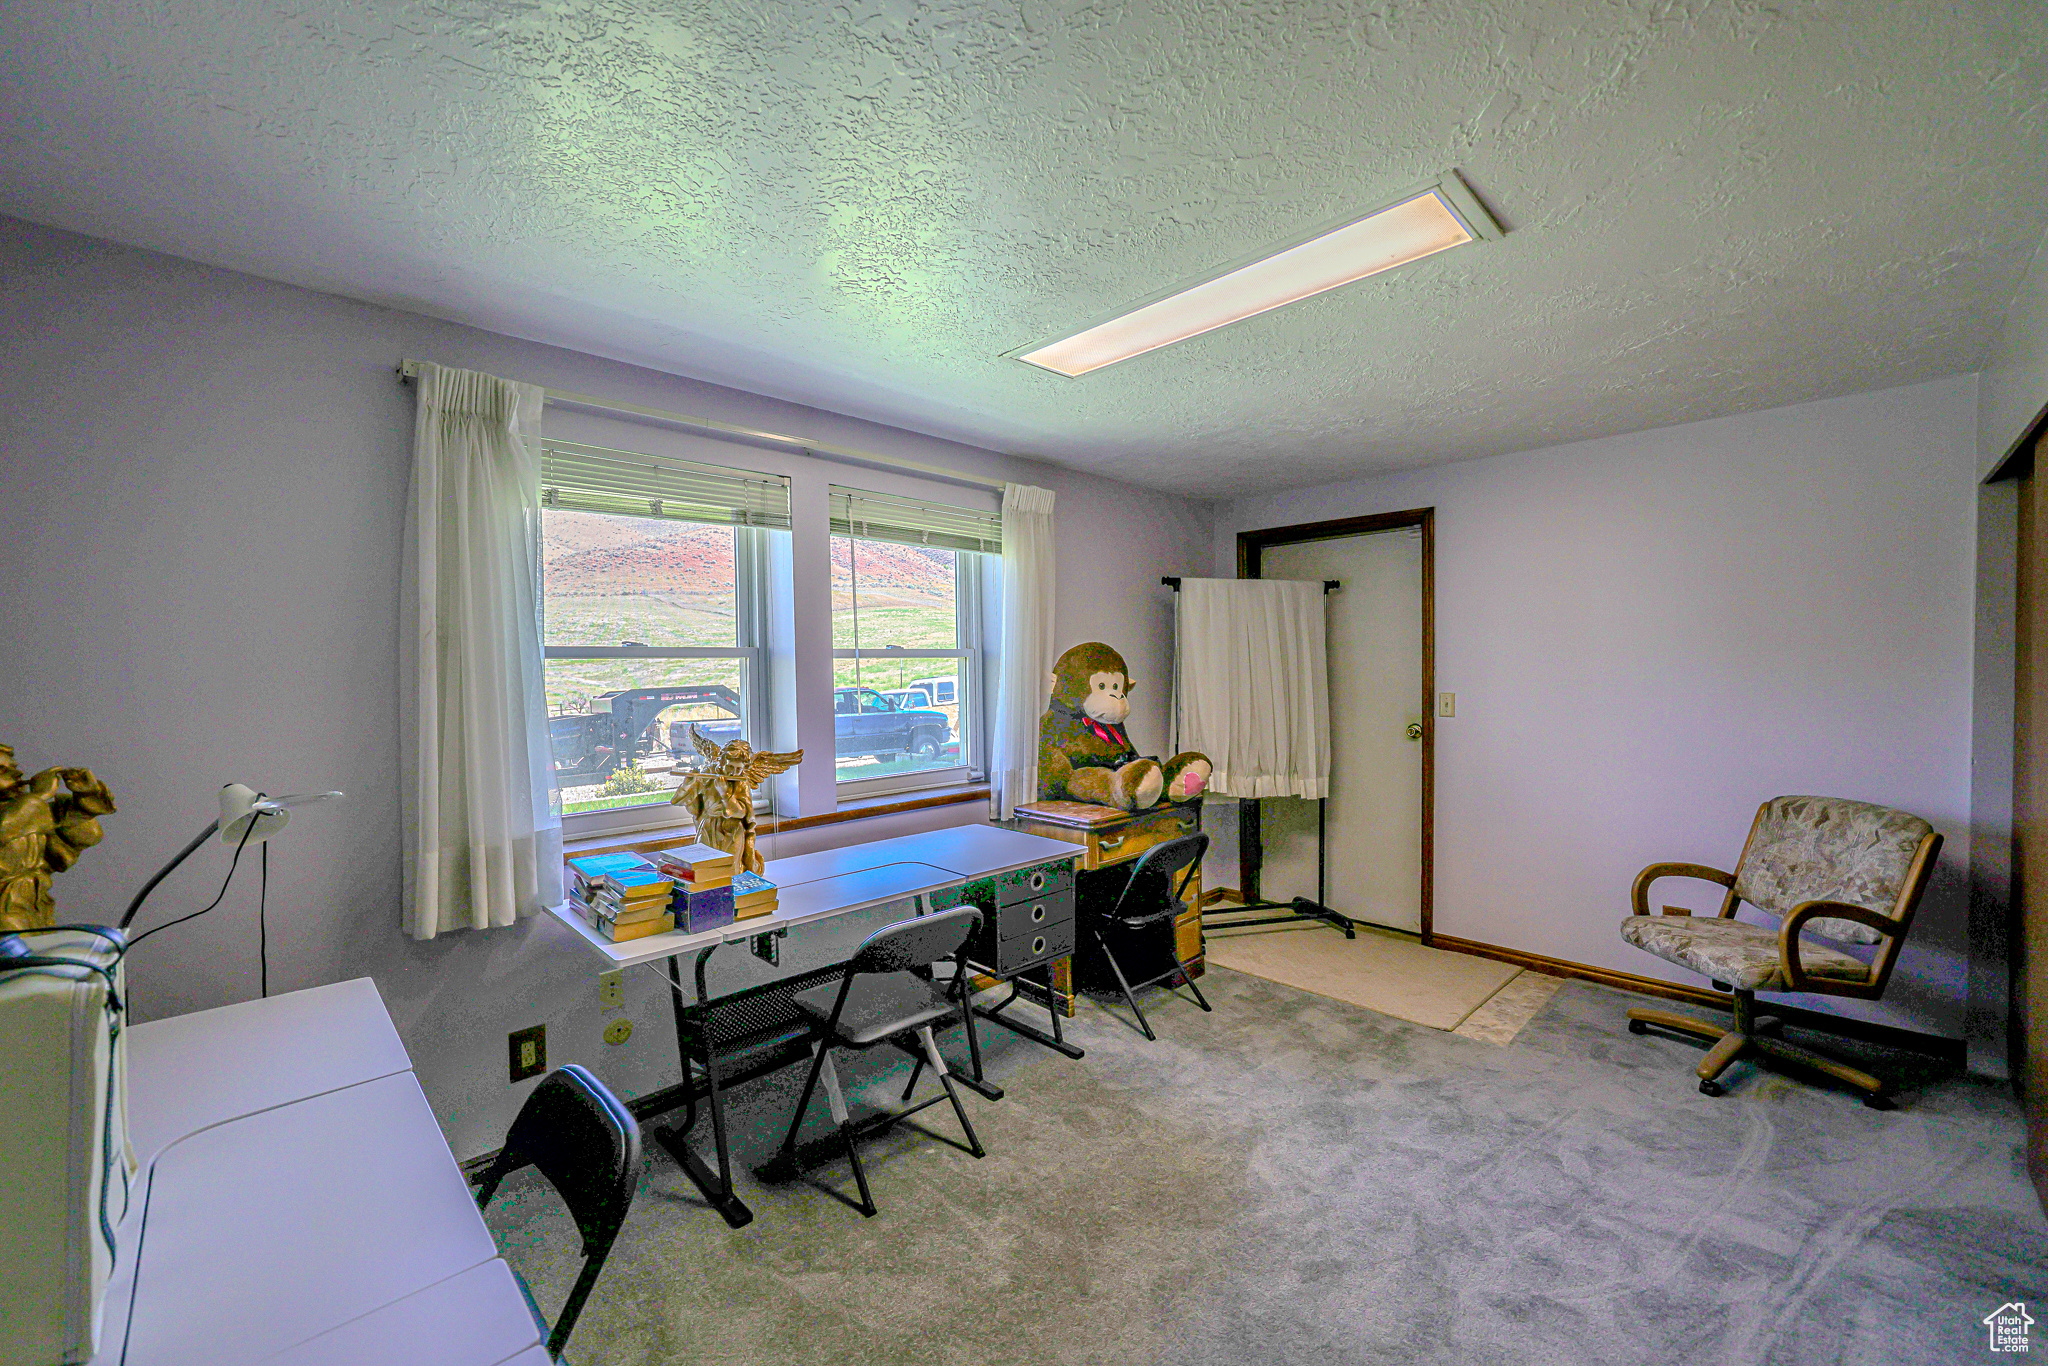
{"points": [[908, 521], [593, 479]]}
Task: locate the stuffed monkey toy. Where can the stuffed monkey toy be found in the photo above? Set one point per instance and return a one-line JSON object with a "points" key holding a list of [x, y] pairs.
{"points": [[1084, 754]]}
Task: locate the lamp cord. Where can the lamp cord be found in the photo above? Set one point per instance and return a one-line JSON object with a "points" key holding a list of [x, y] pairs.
{"points": [[239, 845], [263, 918]]}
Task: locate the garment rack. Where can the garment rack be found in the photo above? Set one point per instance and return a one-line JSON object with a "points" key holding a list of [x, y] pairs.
{"points": [[1299, 908]]}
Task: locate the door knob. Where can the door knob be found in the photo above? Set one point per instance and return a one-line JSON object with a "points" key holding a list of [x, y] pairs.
{"points": [[1414, 730]]}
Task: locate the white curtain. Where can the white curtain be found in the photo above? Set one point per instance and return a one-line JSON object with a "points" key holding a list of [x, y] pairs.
{"points": [[483, 840], [1027, 658], [1251, 673]]}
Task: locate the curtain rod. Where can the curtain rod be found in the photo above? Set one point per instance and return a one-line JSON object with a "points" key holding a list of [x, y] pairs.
{"points": [[410, 369], [1173, 581]]}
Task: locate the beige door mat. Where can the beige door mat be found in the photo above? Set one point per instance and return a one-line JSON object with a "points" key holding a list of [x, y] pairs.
{"points": [[1389, 973]]}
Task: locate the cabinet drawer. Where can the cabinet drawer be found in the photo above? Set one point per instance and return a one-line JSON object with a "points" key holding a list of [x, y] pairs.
{"points": [[1133, 840], [1032, 917], [1029, 884], [1024, 950]]}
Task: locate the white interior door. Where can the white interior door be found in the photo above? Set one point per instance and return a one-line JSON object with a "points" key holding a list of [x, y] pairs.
{"points": [[1373, 844]]}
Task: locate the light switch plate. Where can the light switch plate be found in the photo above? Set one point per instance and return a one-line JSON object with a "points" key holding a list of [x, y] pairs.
{"points": [[611, 988], [1446, 704]]}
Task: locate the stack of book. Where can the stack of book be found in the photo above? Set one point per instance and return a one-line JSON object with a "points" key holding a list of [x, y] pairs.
{"points": [[623, 896], [703, 879], [752, 894]]}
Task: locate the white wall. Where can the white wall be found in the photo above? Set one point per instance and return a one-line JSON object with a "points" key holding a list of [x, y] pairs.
{"points": [[199, 548], [2015, 376], [1650, 634]]}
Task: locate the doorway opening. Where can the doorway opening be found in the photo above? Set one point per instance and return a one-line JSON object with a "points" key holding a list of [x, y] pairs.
{"points": [[1373, 853]]}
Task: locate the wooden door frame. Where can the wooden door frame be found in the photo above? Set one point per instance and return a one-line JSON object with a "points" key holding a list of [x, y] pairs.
{"points": [[1251, 546]]}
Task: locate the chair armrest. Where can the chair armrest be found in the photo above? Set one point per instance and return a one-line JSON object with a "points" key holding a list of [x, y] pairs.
{"points": [[1640, 894], [1789, 930]]}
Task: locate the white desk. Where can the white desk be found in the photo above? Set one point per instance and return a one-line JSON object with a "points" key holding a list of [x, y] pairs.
{"points": [[297, 1202], [191, 1071], [797, 904], [833, 882], [810, 888]]}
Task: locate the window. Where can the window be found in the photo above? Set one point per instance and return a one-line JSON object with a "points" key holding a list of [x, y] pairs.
{"points": [[907, 591], [653, 605]]}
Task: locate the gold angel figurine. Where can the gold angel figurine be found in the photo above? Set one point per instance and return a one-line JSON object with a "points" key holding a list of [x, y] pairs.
{"points": [[720, 796], [42, 832]]}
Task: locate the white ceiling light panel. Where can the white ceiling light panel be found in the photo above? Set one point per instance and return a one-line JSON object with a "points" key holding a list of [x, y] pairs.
{"points": [[1443, 216]]}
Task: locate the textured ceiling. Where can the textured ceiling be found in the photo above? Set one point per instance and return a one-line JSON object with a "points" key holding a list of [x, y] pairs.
{"points": [[1714, 205]]}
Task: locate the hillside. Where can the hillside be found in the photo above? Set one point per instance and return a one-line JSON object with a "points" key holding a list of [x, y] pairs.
{"points": [[588, 554]]}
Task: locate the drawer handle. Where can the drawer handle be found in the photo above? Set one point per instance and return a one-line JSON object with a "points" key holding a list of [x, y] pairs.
{"points": [[1038, 945], [1116, 843], [1038, 913], [1037, 881]]}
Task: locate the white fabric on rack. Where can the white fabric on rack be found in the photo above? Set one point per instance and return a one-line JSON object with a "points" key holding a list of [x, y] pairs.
{"points": [[1029, 585], [483, 837], [1252, 677]]}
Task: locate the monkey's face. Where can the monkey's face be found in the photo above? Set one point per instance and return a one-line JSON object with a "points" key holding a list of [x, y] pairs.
{"points": [[1105, 698]]}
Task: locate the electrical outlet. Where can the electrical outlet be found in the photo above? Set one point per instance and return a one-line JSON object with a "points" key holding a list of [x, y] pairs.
{"points": [[618, 1031], [529, 1049], [1446, 704], [611, 988]]}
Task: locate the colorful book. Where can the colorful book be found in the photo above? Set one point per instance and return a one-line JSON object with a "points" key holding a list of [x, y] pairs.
{"points": [[593, 866], [637, 886], [752, 894], [639, 929], [627, 876], [709, 909], [611, 912], [698, 865], [630, 925]]}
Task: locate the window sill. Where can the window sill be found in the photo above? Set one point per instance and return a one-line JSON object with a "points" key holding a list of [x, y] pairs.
{"points": [[676, 836]]}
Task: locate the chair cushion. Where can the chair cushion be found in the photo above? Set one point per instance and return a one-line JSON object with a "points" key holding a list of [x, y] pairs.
{"points": [[1742, 955], [880, 1005], [1829, 849]]}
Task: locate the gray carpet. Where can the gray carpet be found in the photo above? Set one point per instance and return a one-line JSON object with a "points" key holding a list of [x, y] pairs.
{"points": [[1295, 1179]]}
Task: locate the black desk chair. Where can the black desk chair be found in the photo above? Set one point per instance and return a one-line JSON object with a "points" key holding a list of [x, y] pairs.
{"points": [[1148, 906], [880, 1000], [588, 1147]]}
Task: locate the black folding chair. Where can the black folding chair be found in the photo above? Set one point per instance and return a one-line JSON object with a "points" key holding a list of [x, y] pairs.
{"points": [[588, 1147], [881, 1000], [1148, 906]]}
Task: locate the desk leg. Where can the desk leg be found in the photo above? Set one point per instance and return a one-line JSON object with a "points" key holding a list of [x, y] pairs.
{"points": [[1056, 1041], [1060, 979], [975, 1081], [717, 1187]]}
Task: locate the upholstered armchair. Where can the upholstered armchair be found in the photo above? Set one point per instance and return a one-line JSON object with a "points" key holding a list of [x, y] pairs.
{"points": [[1847, 871]]}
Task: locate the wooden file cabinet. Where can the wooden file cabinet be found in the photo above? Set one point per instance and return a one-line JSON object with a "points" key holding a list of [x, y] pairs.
{"points": [[1108, 839]]}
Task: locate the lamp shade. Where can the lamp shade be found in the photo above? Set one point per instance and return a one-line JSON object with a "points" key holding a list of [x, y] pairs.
{"points": [[242, 807]]}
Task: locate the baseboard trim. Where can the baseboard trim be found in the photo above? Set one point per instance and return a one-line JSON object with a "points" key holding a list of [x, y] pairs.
{"points": [[640, 1107], [1585, 972], [1951, 1051]]}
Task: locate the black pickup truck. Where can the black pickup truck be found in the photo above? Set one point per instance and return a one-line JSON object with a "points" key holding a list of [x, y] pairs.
{"points": [[623, 727], [864, 722]]}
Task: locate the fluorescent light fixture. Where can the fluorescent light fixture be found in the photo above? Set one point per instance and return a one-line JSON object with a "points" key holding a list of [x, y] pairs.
{"points": [[1434, 219]]}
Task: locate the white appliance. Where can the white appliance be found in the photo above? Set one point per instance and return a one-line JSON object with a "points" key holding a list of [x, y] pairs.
{"points": [[65, 1160]]}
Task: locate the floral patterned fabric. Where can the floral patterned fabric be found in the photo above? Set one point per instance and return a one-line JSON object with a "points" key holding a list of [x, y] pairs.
{"points": [[1829, 849], [1742, 955]]}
